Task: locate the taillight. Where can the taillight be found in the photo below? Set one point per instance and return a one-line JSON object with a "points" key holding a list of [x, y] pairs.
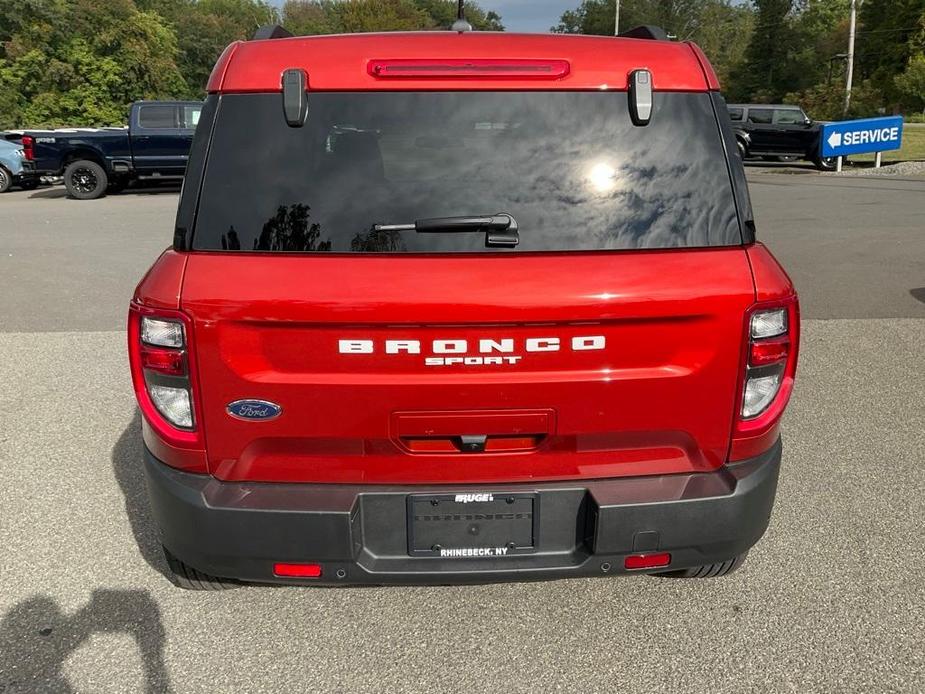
{"points": [[28, 147], [770, 357], [160, 345]]}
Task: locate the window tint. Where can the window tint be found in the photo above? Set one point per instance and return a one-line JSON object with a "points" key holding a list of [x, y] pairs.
{"points": [[191, 116], [735, 114], [570, 167], [788, 116], [760, 115], [157, 116]]}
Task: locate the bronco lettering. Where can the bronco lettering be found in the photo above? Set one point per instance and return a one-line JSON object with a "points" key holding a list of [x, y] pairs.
{"points": [[504, 346]]}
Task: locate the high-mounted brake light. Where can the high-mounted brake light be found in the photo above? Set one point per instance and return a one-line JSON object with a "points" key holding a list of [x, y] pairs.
{"points": [[484, 68], [770, 356]]}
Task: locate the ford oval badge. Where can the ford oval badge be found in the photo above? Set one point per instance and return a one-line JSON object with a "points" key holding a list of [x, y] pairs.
{"points": [[254, 410]]}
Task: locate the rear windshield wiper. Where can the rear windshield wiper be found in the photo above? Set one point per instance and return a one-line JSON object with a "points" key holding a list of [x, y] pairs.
{"points": [[499, 229]]}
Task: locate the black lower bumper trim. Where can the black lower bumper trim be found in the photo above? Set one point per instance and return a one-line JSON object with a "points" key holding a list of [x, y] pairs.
{"points": [[359, 534]]}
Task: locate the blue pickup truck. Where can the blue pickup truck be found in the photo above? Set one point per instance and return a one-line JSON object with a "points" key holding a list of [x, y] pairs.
{"points": [[155, 145]]}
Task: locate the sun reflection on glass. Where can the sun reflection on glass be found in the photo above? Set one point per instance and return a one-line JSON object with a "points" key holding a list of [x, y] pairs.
{"points": [[603, 177]]}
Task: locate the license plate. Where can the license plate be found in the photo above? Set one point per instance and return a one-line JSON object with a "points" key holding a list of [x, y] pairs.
{"points": [[472, 525]]}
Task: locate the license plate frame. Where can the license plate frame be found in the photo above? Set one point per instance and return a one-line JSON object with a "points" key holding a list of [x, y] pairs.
{"points": [[454, 538]]}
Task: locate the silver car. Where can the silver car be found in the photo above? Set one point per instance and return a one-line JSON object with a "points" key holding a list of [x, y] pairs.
{"points": [[14, 168]]}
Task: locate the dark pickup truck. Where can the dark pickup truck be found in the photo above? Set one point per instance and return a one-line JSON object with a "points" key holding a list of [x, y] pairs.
{"points": [[96, 160], [777, 132]]}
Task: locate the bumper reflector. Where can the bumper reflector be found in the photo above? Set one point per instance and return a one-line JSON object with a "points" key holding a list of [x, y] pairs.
{"points": [[297, 570], [647, 561]]}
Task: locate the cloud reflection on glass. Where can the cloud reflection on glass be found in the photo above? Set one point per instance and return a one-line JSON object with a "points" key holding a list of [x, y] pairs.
{"points": [[569, 166]]}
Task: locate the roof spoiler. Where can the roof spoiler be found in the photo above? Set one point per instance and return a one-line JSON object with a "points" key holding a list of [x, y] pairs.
{"points": [[645, 31], [271, 31]]}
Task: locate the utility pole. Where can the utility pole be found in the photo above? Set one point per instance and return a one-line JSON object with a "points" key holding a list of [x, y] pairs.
{"points": [[850, 71], [616, 19]]}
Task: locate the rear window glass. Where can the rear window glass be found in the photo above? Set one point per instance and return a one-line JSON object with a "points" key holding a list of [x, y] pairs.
{"points": [[735, 113], [788, 116], [570, 167], [158, 116], [191, 116], [760, 115]]}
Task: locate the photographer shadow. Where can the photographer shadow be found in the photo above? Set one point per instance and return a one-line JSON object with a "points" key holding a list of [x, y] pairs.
{"points": [[37, 638], [127, 467]]}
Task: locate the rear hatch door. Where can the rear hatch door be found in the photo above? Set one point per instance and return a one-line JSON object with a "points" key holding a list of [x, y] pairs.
{"points": [[607, 343]]}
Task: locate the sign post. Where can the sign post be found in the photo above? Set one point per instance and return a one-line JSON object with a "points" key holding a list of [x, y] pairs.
{"points": [[860, 137]]}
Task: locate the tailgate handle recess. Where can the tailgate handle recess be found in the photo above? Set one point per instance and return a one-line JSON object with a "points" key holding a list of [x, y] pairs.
{"points": [[474, 431], [473, 443]]}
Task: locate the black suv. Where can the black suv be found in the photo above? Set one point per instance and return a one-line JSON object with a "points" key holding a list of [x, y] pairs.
{"points": [[776, 131]]}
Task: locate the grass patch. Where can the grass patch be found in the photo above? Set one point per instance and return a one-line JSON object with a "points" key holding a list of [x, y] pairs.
{"points": [[913, 147]]}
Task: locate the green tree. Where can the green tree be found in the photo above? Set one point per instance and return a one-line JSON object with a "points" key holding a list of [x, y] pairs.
{"points": [[891, 34], [204, 28], [81, 62], [767, 71], [826, 101], [442, 13], [677, 17], [911, 83], [722, 30], [720, 27], [307, 17], [820, 34]]}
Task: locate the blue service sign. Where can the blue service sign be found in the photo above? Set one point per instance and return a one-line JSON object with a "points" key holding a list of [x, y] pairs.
{"points": [[861, 136]]}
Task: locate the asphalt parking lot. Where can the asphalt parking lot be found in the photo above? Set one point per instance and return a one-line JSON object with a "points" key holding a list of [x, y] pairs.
{"points": [[832, 599]]}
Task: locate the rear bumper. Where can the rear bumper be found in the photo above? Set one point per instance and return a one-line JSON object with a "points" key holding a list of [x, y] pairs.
{"points": [[359, 534]]}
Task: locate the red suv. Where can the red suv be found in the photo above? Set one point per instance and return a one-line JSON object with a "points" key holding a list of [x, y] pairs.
{"points": [[462, 307]]}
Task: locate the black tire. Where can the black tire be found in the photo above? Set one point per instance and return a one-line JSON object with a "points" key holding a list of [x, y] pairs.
{"points": [[826, 163], [85, 180], [6, 180], [723, 568], [188, 578], [743, 152]]}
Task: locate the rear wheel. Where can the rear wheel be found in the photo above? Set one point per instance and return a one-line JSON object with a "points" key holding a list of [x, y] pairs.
{"points": [[85, 180], [723, 568], [826, 163], [742, 151], [6, 180], [188, 578]]}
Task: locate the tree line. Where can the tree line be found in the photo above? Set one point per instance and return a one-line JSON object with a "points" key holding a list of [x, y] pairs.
{"points": [[791, 51], [81, 62]]}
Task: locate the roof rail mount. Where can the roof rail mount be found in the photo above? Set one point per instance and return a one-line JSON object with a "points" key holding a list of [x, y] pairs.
{"points": [[271, 31], [645, 31]]}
